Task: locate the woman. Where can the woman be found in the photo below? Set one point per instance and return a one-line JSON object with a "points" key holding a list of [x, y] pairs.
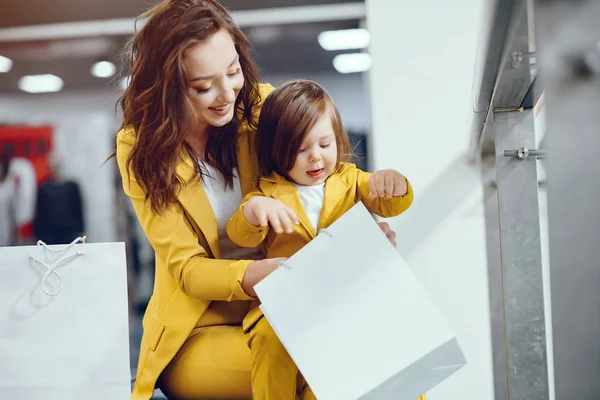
{"points": [[184, 153]]}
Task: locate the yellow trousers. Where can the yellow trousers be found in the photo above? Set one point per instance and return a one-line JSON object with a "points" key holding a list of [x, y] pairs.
{"points": [[221, 363], [274, 374], [213, 364]]}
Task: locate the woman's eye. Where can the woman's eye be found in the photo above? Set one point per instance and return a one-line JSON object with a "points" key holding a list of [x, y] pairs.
{"points": [[199, 91], [236, 72], [301, 150], [324, 146]]}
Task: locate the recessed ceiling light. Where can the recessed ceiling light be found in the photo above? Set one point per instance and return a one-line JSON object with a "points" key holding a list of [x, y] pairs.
{"points": [[354, 62], [5, 64], [103, 69], [45, 83], [344, 39], [264, 35]]}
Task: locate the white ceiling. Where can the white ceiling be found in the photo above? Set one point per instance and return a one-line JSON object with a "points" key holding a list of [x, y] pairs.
{"points": [[35, 12], [279, 49]]}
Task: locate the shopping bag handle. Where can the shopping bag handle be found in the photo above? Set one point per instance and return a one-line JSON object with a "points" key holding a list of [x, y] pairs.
{"points": [[51, 267], [67, 247]]}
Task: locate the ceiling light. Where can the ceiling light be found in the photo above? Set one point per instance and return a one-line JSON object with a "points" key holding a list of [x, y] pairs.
{"points": [[264, 35], [103, 69], [5, 64], [40, 83], [344, 39], [354, 62]]}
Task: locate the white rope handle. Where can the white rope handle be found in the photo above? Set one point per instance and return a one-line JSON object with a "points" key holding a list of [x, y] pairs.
{"points": [[51, 267], [67, 247], [51, 270]]}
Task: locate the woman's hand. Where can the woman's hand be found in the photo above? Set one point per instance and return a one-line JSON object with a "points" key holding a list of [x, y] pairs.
{"points": [[261, 211], [389, 233], [257, 271], [387, 183]]}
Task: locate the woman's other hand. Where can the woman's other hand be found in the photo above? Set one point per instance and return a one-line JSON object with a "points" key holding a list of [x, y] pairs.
{"points": [[389, 233]]}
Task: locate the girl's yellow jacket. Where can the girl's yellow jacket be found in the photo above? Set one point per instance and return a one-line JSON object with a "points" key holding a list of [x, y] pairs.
{"points": [[342, 191]]}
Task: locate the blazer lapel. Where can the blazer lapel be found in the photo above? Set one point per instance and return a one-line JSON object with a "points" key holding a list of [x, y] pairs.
{"points": [[335, 191], [281, 189], [194, 200]]}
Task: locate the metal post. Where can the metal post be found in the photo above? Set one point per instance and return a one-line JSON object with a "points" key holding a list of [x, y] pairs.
{"points": [[569, 46], [514, 245], [520, 251], [496, 291]]}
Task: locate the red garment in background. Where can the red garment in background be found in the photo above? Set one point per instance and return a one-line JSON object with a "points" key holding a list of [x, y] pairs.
{"points": [[30, 142]]}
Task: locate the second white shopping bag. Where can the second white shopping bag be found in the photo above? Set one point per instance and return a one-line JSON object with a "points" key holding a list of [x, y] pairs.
{"points": [[64, 323], [354, 318]]}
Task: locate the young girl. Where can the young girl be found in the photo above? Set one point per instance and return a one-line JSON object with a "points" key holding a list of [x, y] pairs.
{"points": [[306, 184]]}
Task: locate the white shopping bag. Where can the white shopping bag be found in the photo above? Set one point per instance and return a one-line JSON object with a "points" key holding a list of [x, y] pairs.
{"points": [[354, 318], [64, 323]]}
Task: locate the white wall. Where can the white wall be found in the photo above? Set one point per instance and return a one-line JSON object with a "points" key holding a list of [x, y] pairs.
{"points": [[84, 128], [421, 86], [348, 91]]}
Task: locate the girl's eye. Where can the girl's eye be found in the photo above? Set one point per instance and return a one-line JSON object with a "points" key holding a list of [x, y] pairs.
{"points": [[199, 91], [324, 146], [302, 151]]}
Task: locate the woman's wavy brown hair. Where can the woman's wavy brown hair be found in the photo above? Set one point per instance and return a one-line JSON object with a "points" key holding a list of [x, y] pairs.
{"points": [[156, 103]]}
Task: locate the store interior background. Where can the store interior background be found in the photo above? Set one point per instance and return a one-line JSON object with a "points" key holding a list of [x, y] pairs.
{"points": [[411, 110]]}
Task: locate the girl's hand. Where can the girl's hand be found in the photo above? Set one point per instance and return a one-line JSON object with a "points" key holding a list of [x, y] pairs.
{"points": [[387, 183], [262, 211]]}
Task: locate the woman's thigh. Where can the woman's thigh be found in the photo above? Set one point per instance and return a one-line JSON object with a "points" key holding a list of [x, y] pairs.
{"points": [[213, 364]]}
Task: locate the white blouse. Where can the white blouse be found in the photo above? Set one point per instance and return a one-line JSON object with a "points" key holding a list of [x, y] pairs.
{"points": [[224, 202]]}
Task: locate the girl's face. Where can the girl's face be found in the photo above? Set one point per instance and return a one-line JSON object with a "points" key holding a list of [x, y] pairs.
{"points": [[317, 157], [215, 78]]}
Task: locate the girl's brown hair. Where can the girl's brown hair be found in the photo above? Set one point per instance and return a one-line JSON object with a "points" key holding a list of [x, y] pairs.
{"points": [[287, 115], [156, 103]]}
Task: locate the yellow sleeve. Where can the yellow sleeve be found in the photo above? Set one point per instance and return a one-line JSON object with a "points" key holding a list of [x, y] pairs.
{"points": [[176, 243], [385, 208], [243, 233]]}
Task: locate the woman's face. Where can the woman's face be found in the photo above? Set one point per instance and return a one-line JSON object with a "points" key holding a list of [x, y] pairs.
{"points": [[214, 77]]}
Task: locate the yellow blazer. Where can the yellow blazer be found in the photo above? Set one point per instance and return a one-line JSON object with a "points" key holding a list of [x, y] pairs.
{"points": [[342, 191], [189, 273]]}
